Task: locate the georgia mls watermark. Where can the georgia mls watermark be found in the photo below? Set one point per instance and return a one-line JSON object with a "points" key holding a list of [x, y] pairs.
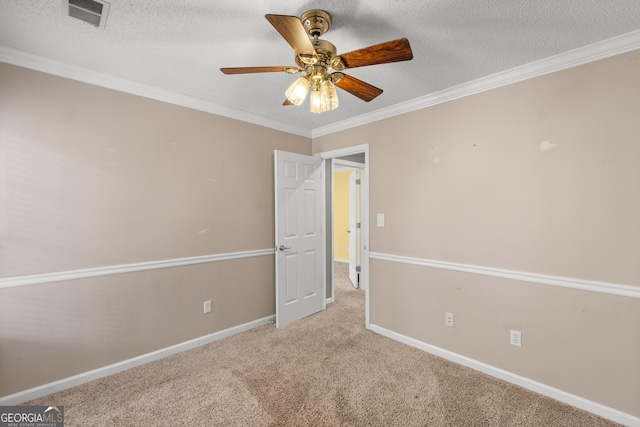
{"points": [[31, 416]]}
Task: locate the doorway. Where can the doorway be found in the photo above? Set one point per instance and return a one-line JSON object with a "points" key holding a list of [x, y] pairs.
{"points": [[347, 239], [356, 157]]}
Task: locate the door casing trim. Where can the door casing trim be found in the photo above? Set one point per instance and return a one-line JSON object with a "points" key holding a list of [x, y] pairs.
{"points": [[356, 149]]}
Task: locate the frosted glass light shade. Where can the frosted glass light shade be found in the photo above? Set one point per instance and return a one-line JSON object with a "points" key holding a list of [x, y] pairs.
{"points": [[297, 92], [328, 96], [316, 101]]}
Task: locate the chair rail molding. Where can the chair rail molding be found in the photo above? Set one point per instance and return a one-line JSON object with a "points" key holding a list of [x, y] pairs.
{"points": [[542, 279], [34, 279]]}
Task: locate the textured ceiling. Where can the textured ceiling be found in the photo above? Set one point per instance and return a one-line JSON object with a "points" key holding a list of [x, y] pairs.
{"points": [[178, 46]]}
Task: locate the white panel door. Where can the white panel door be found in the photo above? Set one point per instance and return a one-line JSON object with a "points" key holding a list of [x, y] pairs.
{"points": [[299, 245], [353, 231]]}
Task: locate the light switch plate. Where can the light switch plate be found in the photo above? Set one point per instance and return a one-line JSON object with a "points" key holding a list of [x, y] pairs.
{"points": [[380, 220]]}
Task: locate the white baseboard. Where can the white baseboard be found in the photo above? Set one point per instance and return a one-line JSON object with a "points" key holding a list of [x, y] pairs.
{"points": [[328, 300], [344, 261], [65, 383], [571, 399]]}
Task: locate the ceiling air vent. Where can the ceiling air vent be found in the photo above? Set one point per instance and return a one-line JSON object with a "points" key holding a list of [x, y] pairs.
{"points": [[90, 11]]}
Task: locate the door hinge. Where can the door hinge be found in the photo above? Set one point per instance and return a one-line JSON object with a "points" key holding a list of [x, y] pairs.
{"points": [[358, 270], [357, 181], [358, 225]]}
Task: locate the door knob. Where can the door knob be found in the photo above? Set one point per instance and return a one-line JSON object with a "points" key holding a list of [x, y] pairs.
{"points": [[283, 247]]}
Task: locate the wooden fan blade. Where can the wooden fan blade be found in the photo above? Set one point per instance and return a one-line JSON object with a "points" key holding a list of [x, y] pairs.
{"points": [[290, 27], [287, 102], [392, 51], [249, 70], [362, 90]]}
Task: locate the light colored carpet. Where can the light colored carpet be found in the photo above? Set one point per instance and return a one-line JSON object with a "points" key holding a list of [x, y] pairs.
{"points": [[326, 369]]}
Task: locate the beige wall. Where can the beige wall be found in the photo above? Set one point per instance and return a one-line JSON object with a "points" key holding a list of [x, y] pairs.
{"points": [[92, 177], [473, 181]]}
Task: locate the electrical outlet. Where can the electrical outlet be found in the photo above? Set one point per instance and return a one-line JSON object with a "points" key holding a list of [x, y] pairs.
{"points": [[207, 306], [448, 319], [516, 338]]}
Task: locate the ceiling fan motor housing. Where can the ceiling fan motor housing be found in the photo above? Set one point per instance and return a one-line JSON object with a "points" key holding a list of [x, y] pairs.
{"points": [[316, 22], [326, 52]]}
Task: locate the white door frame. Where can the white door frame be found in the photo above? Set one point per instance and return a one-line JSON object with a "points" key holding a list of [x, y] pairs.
{"points": [[364, 213]]}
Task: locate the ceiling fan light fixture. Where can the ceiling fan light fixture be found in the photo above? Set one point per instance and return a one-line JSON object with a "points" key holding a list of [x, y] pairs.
{"points": [[317, 59], [298, 90], [328, 96]]}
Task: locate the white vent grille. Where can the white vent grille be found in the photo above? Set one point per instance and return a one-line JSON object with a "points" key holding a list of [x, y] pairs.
{"points": [[93, 12]]}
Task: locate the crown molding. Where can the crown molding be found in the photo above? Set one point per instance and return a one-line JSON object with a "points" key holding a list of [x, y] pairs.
{"points": [[49, 66], [600, 50], [572, 58]]}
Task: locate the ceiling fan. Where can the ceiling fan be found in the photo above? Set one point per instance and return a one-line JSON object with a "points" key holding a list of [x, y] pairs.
{"points": [[319, 65]]}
